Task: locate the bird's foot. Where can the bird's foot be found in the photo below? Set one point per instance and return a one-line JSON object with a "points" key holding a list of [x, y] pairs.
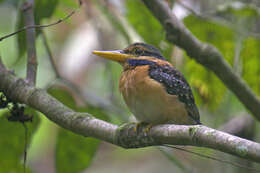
{"points": [[143, 126]]}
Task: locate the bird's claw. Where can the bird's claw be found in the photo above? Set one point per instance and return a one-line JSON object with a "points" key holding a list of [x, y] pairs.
{"points": [[142, 126]]}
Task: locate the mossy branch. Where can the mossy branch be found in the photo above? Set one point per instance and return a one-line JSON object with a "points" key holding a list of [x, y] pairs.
{"points": [[125, 136]]}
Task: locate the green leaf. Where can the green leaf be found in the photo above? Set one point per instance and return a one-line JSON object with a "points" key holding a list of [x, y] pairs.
{"points": [[209, 90], [243, 17], [44, 9], [70, 3], [12, 135], [64, 95], [147, 26], [251, 63], [74, 152], [143, 21]]}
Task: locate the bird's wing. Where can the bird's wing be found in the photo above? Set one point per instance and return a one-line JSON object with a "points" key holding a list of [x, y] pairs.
{"points": [[175, 84]]}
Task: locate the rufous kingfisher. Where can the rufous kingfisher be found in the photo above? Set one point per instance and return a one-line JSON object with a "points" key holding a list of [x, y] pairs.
{"points": [[154, 91]]}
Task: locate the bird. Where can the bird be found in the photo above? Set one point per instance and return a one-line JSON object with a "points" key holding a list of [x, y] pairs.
{"points": [[152, 88]]}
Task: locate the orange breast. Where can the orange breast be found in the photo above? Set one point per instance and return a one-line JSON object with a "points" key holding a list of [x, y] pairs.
{"points": [[148, 100]]}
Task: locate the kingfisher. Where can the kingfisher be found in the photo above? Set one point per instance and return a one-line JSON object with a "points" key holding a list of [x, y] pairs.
{"points": [[154, 90]]}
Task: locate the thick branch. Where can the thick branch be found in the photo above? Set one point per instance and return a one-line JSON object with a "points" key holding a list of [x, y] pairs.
{"points": [[125, 136], [30, 42], [205, 54]]}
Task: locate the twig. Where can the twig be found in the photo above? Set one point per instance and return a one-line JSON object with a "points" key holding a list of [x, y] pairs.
{"points": [[25, 146], [218, 20], [191, 10], [30, 42], [208, 17], [213, 158], [205, 54], [51, 58], [30, 37], [203, 16], [100, 103], [38, 26]]}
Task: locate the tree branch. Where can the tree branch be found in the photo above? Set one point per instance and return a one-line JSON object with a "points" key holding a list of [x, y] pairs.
{"points": [[105, 105], [51, 58], [126, 135], [37, 26], [242, 126], [30, 42], [203, 53], [213, 17]]}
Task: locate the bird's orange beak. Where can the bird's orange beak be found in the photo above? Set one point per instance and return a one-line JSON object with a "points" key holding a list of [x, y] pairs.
{"points": [[116, 55]]}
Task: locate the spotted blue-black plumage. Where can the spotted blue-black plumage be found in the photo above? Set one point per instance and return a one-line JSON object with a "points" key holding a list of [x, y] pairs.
{"points": [[174, 83]]}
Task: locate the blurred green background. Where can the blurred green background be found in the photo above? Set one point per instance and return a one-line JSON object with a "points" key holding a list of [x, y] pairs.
{"points": [[84, 82]]}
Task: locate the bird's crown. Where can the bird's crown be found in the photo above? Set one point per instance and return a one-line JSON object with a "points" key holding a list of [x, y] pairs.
{"points": [[142, 49]]}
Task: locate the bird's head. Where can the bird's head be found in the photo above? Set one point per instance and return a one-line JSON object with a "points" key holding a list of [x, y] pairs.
{"points": [[133, 55]]}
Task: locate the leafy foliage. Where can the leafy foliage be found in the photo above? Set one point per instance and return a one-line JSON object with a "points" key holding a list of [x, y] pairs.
{"points": [[243, 17], [12, 141], [251, 63], [10, 2], [209, 89], [73, 152], [147, 26], [44, 9]]}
